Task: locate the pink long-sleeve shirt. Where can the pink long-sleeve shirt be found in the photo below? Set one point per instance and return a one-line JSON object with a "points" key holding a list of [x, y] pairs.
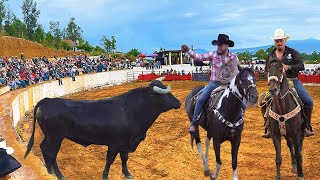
{"points": [[216, 60]]}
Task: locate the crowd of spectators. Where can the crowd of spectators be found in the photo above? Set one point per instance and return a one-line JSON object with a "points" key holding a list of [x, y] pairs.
{"points": [[21, 72]]}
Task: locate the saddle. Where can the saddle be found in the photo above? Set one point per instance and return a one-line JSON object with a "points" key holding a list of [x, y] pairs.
{"points": [[211, 102]]}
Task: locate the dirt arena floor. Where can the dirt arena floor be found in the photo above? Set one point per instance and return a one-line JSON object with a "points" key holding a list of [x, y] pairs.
{"points": [[166, 152]]}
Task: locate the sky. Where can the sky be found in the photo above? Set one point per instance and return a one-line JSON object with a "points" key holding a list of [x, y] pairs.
{"points": [[149, 25]]}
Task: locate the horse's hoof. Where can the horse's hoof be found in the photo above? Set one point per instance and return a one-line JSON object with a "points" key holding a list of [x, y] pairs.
{"points": [[300, 178], [294, 169], [62, 178], [129, 177], [50, 170], [213, 176], [104, 178], [207, 173]]}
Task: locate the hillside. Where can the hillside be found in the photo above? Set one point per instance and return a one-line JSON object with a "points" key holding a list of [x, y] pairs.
{"points": [[11, 46]]}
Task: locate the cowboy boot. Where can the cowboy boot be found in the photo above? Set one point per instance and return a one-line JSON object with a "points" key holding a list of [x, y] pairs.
{"points": [[192, 128], [308, 113], [194, 123], [266, 123]]}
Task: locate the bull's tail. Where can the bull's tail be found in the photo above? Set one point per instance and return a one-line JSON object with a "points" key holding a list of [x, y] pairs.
{"points": [[31, 140]]}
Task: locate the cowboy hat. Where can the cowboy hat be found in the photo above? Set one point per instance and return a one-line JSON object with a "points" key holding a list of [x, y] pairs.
{"points": [[8, 164], [279, 34], [3, 145], [223, 39]]}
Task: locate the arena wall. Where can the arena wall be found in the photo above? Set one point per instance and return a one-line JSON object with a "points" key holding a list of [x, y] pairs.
{"points": [[26, 100]]}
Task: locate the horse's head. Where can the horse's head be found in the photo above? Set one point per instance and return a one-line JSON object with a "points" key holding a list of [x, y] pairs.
{"points": [[276, 74], [247, 82]]}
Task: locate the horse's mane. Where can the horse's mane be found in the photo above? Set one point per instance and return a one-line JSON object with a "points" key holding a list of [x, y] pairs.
{"points": [[242, 70]]}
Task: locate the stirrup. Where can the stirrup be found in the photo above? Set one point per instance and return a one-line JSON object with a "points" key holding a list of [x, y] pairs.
{"points": [[267, 134]]}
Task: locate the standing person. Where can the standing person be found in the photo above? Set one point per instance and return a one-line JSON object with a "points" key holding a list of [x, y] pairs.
{"points": [[8, 164], [219, 57], [292, 64]]}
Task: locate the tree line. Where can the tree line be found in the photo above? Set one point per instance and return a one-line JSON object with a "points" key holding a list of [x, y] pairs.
{"points": [[58, 38], [313, 58]]}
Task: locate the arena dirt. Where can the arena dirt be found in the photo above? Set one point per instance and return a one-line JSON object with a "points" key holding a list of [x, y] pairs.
{"points": [[166, 152]]}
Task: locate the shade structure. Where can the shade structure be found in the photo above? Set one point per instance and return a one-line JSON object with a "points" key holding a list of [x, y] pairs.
{"points": [[152, 55], [142, 55]]}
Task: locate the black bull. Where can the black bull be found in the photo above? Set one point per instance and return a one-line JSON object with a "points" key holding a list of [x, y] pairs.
{"points": [[119, 122]]}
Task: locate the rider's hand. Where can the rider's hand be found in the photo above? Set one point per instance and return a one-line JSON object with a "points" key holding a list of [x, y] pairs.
{"points": [[185, 48]]}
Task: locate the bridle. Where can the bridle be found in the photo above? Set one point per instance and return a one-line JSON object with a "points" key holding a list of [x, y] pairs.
{"points": [[244, 90], [277, 79]]}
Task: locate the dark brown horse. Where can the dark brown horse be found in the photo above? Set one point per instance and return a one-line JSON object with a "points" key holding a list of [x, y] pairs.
{"points": [[223, 117], [284, 117]]}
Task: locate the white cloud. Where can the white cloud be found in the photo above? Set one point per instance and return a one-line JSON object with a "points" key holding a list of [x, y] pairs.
{"points": [[146, 24]]}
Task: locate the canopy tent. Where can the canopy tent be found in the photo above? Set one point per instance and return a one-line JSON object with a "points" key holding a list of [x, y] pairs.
{"points": [[152, 55], [142, 55]]}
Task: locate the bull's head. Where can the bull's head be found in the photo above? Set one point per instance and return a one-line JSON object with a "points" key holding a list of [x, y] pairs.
{"points": [[161, 89]]}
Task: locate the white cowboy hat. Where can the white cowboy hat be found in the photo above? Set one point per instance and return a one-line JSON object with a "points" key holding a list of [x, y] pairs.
{"points": [[279, 34], [3, 145]]}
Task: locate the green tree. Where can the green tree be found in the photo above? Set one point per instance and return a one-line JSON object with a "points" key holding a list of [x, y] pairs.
{"points": [[134, 52], [49, 40], [97, 50], [14, 26], [260, 54], [8, 22], [86, 46], [73, 31], [56, 32], [2, 11], [65, 45], [39, 34], [113, 43], [30, 16], [107, 44]]}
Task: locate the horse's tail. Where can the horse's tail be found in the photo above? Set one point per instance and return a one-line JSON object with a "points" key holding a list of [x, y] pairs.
{"points": [[191, 140], [31, 140]]}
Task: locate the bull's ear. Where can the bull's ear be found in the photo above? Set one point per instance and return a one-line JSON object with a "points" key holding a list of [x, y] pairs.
{"points": [[239, 67]]}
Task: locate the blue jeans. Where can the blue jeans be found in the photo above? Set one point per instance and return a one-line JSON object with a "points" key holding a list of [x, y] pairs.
{"points": [[302, 92], [203, 99]]}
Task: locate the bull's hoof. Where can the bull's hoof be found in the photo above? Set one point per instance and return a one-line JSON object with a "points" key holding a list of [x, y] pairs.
{"points": [[129, 177], [207, 173], [300, 178], [105, 178]]}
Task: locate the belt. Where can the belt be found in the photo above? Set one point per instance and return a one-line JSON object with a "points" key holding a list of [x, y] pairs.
{"points": [[293, 78]]}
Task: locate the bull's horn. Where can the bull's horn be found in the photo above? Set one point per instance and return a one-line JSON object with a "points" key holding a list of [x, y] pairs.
{"points": [[160, 90], [161, 78]]}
